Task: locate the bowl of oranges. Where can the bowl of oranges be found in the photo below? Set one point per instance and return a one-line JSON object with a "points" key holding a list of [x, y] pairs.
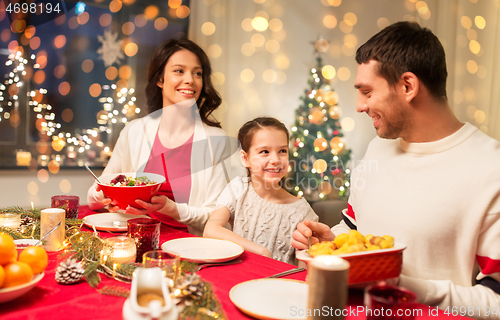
{"points": [[371, 258], [19, 272]]}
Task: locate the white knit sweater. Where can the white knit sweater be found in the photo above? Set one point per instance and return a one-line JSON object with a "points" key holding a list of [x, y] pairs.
{"points": [[441, 199], [268, 224]]}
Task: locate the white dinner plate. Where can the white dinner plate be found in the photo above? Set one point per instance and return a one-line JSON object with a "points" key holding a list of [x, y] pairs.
{"points": [[271, 298], [203, 250], [110, 221], [7, 294]]}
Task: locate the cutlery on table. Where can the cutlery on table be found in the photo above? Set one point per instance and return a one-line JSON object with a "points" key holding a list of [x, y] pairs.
{"points": [[208, 265], [285, 273], [45, 236]]}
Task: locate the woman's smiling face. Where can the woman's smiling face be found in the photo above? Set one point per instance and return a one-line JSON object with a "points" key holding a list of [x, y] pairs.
{"points": [[182, 78]]}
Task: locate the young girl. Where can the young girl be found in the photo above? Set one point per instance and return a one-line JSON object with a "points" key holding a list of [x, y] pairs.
{"points": [[262, 213]]}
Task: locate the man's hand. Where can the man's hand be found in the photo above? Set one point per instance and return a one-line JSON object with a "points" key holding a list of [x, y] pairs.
{"points": [[316, 230]]}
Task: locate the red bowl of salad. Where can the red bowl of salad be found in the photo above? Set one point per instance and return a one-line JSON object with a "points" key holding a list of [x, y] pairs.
{"points": [[127, 187]]}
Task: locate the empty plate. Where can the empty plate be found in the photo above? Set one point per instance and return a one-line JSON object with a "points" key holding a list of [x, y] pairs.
{"points": [[200, 250]]}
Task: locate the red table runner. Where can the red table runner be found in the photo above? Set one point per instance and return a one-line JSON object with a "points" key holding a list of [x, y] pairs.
{"points": [[50, 300]]}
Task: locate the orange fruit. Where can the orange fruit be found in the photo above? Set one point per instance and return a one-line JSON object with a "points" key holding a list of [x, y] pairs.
{"points": [[17, 273], [35, 257], [2, 276], [8, 252]]}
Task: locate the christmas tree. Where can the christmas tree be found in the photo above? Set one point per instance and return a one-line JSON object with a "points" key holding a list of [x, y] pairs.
{"points": [[319, 157]]}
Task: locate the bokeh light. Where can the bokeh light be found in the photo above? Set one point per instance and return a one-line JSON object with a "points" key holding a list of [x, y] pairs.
{"points": [[35, 43], [214, 51], [87, 65], [282, 62], [322, 45], [174, 4], [125, 72], [208, 28], [58, 144], [115, 6], [131, 49], [350, 18], [140, 20], [471, 111], [247, 75], [344, 73], [32, 188], [248, 49], [95, 90], [474, 47], [30, 32], [330, 21], [246, 24], [128, 28], [479, 116], [64, 88], [466, 22], [258, 40], [39, 77], [161, 23], [275, 25], [347, 124], [269, 76], [272, 46], [183, 12], [472, 66], [328, 72], [59, 41], [480, 22], [65, 186], [67, 115], [43, 175], [73, 23], [218, 78], [111, 73], [83, 18], [260, 24]]}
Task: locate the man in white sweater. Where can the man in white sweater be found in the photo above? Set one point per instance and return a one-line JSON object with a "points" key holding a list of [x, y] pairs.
{"points": [[429, 180]]}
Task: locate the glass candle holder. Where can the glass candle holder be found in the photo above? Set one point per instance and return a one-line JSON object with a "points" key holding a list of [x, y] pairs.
{"points": [[49, 218], [167, 262], [389, 302], [10, 220], [146, 234], [69, 203], [118, 249]]}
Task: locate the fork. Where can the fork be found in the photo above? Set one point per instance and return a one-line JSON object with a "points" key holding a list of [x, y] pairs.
{"points": [[208, 265]]}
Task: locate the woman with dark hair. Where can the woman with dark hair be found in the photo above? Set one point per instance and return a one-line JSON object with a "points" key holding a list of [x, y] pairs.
{"points": [[178, 139]]}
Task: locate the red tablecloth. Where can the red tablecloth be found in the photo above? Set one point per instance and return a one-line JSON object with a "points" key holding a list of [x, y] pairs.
{"points": [[49, 300]]}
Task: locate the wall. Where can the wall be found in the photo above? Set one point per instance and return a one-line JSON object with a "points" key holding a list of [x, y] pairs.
{"points": [[16, 186]]}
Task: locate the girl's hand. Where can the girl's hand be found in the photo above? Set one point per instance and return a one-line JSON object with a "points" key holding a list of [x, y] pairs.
{"points": [[157, 203], [317, 231], [266, 253], [112, 204]]}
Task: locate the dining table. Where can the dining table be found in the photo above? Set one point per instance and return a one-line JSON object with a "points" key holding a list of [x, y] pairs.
{"points": [[51, 300]]}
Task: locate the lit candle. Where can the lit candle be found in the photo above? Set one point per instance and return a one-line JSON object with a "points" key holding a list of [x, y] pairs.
{"points": [[10, 220], [49, 218], [23, 158], [119, 249]]}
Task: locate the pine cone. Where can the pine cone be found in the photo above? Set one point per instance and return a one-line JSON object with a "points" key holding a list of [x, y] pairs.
{"points": [[69, 271], [25, 222]]}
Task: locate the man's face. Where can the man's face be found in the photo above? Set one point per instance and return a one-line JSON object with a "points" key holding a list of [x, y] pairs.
{"points": [[380, 101]]}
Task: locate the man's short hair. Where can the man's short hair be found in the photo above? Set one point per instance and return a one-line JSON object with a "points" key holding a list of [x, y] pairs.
{"points": [[405, 46]]}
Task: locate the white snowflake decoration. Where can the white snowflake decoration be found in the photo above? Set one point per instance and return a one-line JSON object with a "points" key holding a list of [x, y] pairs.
{"points": [[110, 51]]}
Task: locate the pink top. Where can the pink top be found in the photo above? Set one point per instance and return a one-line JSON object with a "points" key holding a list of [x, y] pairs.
{"points": [[175, 165]]}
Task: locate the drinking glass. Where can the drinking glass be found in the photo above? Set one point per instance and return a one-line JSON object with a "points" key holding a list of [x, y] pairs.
{"points": [[390, 303], [146, 234], [167, 262]]}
